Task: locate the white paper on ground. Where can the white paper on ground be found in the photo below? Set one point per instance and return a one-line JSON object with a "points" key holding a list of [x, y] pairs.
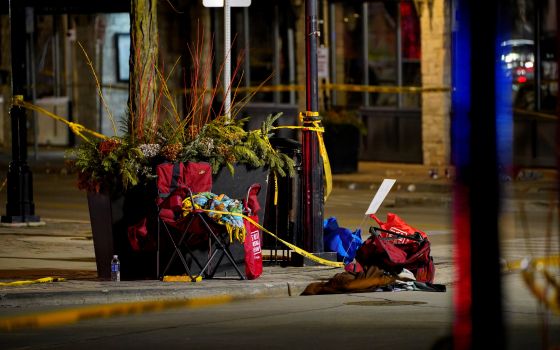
{"points": [[379, 197]]}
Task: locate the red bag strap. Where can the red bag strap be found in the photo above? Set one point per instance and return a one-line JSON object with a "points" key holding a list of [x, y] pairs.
{"points": [[379, 222], [168, 180], [251, 202], [414, 237]]}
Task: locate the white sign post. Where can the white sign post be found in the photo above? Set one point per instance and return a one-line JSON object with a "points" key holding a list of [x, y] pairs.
{"points": [[232, 3], [379, 197], [227, 4]]}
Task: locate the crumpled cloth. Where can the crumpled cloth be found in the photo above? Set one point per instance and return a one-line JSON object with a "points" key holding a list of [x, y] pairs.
{"points": [[222, 203], [368, 280]]}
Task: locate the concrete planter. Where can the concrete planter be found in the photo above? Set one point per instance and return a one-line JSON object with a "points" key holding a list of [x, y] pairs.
{"points": [[110, 217], [235, 186], [112, 214]]}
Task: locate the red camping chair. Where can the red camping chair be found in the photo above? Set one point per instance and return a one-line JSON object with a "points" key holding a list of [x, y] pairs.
{"points": [[175, 182]]}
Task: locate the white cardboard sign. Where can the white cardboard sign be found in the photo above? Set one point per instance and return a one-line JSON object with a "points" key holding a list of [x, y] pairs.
{"points": [[379, 197]]}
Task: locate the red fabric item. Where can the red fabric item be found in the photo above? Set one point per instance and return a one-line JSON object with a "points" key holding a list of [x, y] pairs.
{"points": [[252, 201], [392, 257], [393, 253], [253, 240], [171, 186], [354, 267], [395, 224], [198, 176], [253, 251], [426, 272], [174, 180], [137, 234]]}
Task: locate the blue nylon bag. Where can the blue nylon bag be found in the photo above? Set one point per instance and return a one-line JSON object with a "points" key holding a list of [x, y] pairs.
{"points": [[341, 240]]}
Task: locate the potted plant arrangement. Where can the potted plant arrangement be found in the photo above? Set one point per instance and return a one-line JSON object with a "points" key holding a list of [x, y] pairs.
{"points": [[343, 130], [118, 172]]}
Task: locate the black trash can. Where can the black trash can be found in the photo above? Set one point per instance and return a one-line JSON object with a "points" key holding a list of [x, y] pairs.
{"points": [[283, 219], [342, 142]]}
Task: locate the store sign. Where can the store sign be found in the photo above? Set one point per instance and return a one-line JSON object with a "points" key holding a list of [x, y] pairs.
{"points": [[323, 62], [232, 3]]}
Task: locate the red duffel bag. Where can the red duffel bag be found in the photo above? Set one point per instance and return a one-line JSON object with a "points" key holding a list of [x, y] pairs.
{"points": [[393, 248]]}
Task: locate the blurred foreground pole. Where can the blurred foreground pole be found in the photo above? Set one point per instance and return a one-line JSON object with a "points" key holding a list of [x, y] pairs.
{"points": [[312, 168], [476, 109], [19, 207]]}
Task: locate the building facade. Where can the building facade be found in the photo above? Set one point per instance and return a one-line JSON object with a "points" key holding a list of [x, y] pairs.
{"points": [[386, 61]]}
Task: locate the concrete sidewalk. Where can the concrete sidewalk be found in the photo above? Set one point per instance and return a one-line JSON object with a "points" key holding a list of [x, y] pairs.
{"points": [[64, 247]]}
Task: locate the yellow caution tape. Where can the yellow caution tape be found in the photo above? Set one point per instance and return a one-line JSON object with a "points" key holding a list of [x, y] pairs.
{"points": [[57, 318], [299, 250], [311, 114], [329, 86], [40, 280], [76, 128], [543, 261], [275, 189], [544, 284], [348, 87], [326, 162], [385, 89], [322, 148], [293, 247], [182, 278], [542, 115], [275, 88]]}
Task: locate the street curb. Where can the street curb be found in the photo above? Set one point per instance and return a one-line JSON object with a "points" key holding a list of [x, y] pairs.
{"points": [[110, 308], [117, 295]]}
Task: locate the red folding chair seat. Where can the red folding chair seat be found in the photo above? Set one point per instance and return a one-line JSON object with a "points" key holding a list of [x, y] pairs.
{"points": [[175, 182]]}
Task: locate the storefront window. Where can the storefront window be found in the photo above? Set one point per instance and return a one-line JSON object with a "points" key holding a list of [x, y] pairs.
{"points": [[410, 50], [350, 70], [263, 38], [378, 44], [382, 50], [530, 56]]}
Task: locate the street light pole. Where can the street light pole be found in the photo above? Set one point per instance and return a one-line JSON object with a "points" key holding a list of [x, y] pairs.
{"points": [[312, 169], [19, 207], [227, 60]]}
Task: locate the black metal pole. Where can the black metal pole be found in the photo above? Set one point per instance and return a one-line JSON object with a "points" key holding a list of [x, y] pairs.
{"points": [[312, 170], [19, 207], [537, 47]]}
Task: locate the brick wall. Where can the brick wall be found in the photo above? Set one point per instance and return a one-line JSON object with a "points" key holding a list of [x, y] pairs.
{"points": [[435, 28]]}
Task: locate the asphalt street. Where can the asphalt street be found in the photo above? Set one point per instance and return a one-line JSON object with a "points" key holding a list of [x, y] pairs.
{"points": [[380, 320]]}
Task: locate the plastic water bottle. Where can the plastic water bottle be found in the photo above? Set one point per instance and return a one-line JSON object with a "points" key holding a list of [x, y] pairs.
{"points": [[115, 269]]}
